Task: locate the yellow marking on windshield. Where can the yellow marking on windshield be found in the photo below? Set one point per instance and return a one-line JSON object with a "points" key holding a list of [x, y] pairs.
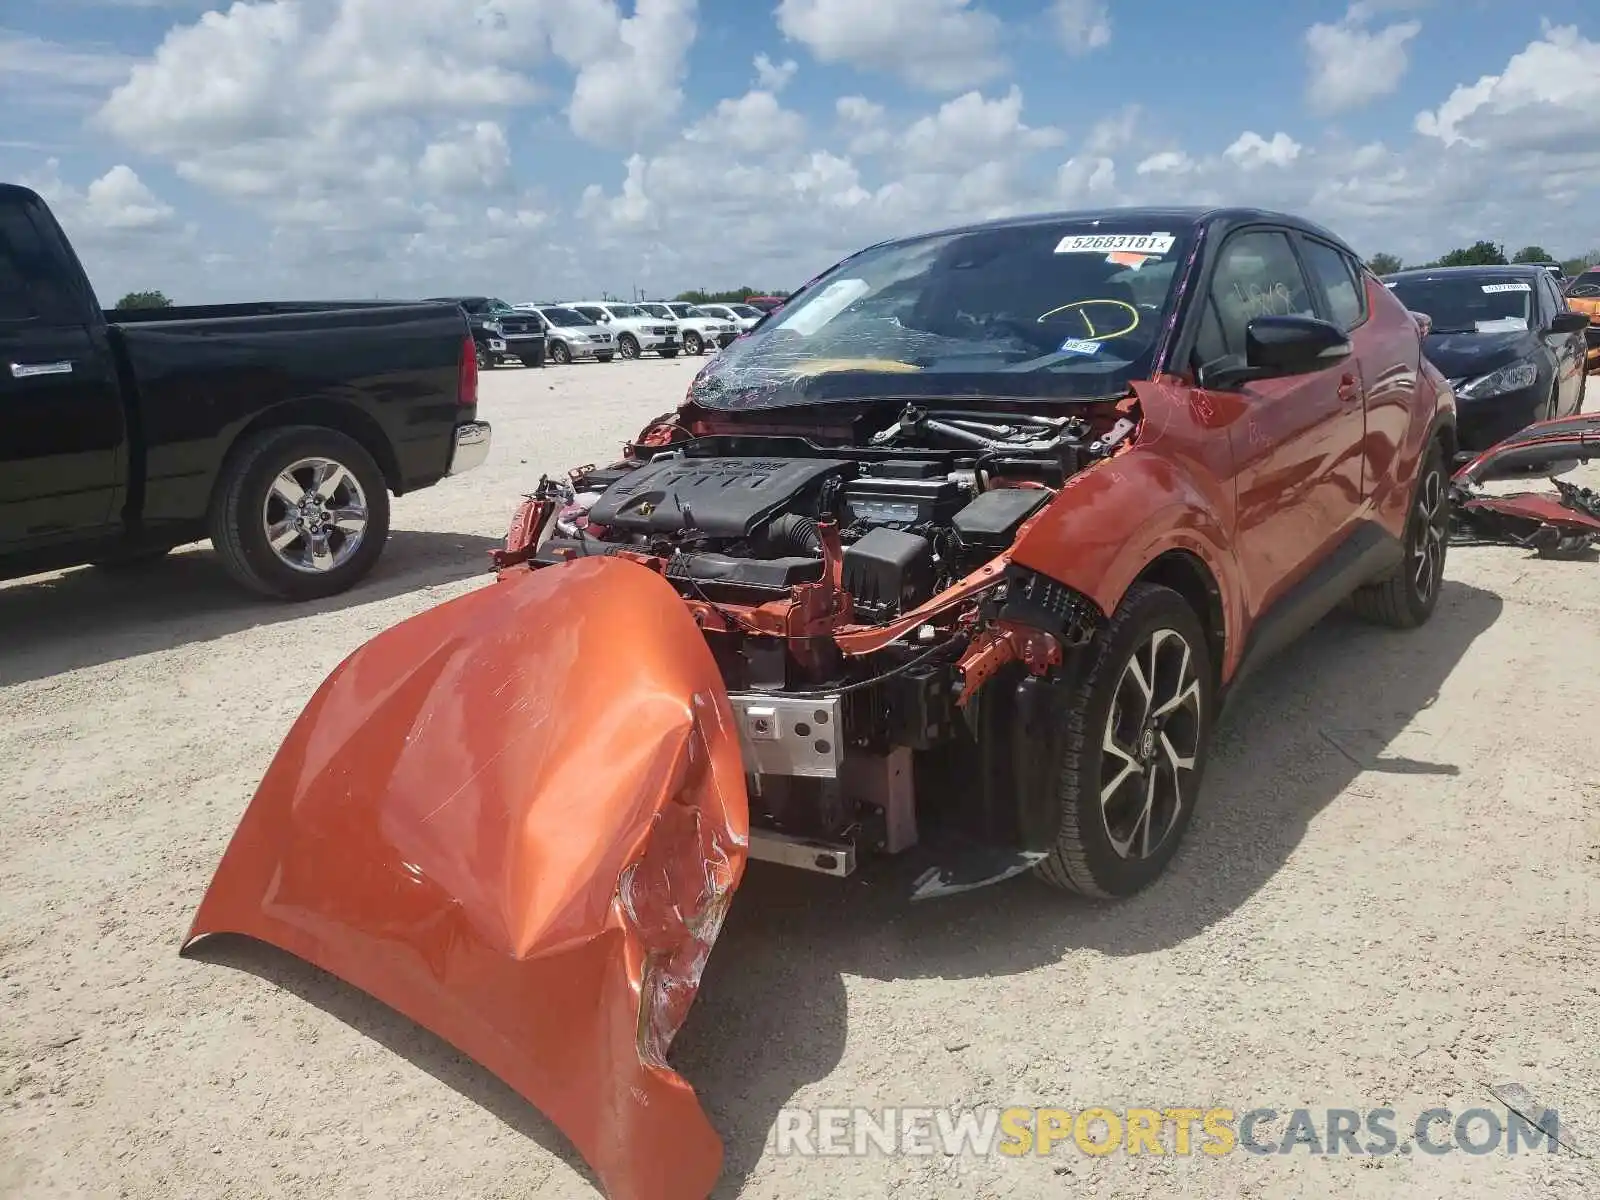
{"points": [[1094, 335], [822, 366]]}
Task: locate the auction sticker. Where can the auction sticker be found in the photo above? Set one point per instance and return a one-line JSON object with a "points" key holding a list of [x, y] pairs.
{"points": [[1112, 243], [1489, 289], [1079, 346]]}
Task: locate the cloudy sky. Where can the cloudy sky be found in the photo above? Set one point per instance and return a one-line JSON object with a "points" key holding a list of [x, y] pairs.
{"points": [[532, 148]]}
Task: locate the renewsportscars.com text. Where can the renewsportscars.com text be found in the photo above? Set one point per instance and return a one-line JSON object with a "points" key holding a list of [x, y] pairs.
{"points": [[1180, 1131]]}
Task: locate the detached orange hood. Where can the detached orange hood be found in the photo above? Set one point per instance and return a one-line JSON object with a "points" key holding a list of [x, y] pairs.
{"points": [[517, 819]]}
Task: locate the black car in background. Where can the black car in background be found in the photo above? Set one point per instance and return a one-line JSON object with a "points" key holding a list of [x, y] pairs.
{"points": [[500, 332], [1505, 339]]}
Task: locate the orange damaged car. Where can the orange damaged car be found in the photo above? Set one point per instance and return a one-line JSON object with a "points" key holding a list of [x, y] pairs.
{"points": [[959, 554], [1583, 296]]}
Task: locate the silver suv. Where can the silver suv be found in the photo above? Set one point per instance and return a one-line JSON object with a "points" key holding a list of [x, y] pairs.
{"points": [[702, 332], [570, 335], [635, 330]]}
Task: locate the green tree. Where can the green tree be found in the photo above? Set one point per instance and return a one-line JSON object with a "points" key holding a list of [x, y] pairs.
{"points": [[1577, 266], [144, 300], [1479, 254], [1532, 254], [1384, 264], [736, 296]]}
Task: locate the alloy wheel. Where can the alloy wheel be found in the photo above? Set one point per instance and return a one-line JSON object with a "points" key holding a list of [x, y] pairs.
{"points": [[315, 515], [627, 347], [1151, 745], [1430, 527]]}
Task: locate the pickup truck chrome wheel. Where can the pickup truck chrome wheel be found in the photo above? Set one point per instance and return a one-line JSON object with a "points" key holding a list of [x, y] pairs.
{"points": [[315, 515], [1150, 745], [1132, 724], [300, 512]]}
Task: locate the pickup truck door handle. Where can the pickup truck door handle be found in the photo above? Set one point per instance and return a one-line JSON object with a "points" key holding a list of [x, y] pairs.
{"points": [[28, 370], [1349, 389]]}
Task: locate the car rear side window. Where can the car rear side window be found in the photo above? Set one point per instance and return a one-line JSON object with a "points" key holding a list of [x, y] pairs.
{"points": [[1257, 275], [1340, 283]]}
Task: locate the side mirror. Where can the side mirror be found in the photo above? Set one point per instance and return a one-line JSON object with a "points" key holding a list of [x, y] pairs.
{"points": [[1569, 322], [1424, 323], [1279, 347]]}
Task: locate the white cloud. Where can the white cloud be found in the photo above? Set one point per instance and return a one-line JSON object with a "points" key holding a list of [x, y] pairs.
{"points": [[1252, 150], [1353, 64], [1167, 162], [116, 203], [774, 77], [936, 45], [1082, 25]]}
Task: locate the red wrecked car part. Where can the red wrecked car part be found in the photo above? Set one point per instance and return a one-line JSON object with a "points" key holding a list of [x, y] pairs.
{"points": [[1559, 523], [517, 819]]}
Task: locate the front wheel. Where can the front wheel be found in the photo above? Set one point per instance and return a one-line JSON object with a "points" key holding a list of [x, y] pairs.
{"points": [[484, 362], [1134, 747], [559, 354], [302, 512], [1407, 596], [628, 346], [692, 343]]}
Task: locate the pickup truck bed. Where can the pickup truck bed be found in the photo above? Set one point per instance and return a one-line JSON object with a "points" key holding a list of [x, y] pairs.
{"points": [[278, 430]]}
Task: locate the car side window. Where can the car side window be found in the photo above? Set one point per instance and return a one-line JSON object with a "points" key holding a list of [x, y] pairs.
{"points": [[17, 301], [1257, 275], [1340, 283]]}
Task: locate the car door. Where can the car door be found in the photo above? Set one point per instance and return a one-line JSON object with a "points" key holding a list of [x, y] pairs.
{"points": [[1568, 349], [1386, 355], [1298, 483], [62, 433]]}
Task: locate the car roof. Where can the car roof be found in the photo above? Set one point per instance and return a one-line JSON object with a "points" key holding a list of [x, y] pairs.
{"points": [[1159, 217], [1507, 271]]}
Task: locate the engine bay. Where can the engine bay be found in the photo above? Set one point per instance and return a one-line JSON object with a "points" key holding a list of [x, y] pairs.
{"points": [[853, 588], [737, 519]]}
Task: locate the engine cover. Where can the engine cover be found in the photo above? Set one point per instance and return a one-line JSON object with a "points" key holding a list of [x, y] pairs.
{"points": [[719, 497]]}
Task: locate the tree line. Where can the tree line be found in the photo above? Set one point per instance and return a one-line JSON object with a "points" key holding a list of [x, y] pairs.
{"points": [[736, 296], [1485, 254]]}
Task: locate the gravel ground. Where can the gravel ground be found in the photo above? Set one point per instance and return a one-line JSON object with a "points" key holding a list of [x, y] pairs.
{"points": [[1387, 899]]}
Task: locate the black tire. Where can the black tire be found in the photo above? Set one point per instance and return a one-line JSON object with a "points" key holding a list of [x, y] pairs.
{"points": [[628, 346], [668, 352], [1086, 858], [692, 343], [1406, 597], [559, 354], [484, 362], [239, 512], [604, 357]]}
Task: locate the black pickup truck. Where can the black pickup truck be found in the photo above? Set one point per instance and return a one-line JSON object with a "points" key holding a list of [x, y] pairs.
{"points": [[277, 430], [500, 332]]}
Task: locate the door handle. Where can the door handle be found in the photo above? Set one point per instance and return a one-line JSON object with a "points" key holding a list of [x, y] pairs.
{"points": [[28, 370], [1349, 389]]}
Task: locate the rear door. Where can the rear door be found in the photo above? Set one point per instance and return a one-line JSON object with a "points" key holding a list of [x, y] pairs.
{"points": [[1297, 448], [62, 430]]}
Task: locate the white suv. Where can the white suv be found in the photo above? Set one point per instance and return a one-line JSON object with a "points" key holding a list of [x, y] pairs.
{"points": [[742, 315], [702, 332], [635, 330]]}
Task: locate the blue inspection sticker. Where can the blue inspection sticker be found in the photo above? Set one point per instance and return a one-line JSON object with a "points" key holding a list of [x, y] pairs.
{"points": [[1079, 346]]}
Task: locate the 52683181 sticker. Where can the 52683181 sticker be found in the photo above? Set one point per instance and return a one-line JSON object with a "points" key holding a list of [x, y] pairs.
{"points": [[1109, 243]]}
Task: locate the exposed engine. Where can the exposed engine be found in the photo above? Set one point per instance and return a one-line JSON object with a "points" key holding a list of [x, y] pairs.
{"points": [[835, 584], [737, 518]]}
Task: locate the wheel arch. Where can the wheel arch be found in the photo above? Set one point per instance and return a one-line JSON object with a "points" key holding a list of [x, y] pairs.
{"points": [[360, 427], [1186, 573]]}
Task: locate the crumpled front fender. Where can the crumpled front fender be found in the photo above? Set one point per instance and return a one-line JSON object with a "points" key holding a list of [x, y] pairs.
{"points": [[518, 818]]}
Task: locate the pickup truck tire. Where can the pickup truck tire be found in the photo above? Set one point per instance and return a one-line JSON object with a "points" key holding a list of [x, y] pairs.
{"points": [[344, 511], [484, 361], [692, 343], [1137, 728], [1407, 595], [628, 346]]}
